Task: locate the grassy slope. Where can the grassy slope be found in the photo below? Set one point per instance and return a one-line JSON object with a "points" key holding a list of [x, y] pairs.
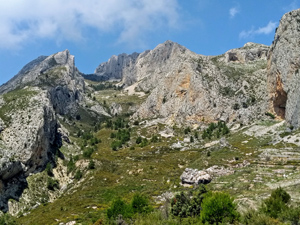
{"points": [[156, 168]]}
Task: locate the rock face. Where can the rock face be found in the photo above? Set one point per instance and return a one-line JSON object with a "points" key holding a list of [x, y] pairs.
{"points": [[187, 87], [197, 88], [30, 134], [57, 74], [116, 68], [283, 69]]}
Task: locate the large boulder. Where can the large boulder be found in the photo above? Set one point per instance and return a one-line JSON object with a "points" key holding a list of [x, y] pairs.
{"points": [[194, 176]]}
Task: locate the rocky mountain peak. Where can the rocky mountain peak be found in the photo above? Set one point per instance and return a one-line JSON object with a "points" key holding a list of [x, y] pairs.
{"points": [[39, 71]]}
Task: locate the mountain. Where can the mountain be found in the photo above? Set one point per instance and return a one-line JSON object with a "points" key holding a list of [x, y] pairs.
{"points": [[30, 106], [187, 87], [140, 118]]}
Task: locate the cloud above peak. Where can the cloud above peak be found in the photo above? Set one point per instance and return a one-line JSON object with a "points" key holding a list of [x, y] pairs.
{"points": [[23, 21], [269, 28], [233, 11]]}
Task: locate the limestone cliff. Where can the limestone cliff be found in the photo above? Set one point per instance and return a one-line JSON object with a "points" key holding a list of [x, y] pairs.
{"points": [[283, 69], [187, 87], [29, 128], [195, 88]]}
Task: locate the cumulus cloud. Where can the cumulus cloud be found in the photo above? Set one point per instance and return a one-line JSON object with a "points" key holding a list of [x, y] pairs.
{"points": [[233, 11], [269, 28], [22, 21]]}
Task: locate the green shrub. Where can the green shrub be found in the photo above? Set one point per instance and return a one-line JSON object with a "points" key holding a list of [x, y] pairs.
{"points": [[87, 153], [144, 142], [78, 175], [91, 165], [52, 184], [184, 206], [236, 106], [71, 165], [218, 207], [253, 217], [119, 207], [154, 139], [139, 140], [270, 115], [140, 204], [276, 203], [49, 169], [7, 219], [187, 130], [191, 139]]}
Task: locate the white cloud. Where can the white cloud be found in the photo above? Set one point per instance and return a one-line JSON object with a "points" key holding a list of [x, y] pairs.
{"points": [[22, 21], [262, 30], [233, 11]]}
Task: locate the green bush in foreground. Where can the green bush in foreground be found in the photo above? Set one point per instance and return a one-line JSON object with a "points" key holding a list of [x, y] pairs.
{"points": [[184, 206], [218, 207], [276, 203]]}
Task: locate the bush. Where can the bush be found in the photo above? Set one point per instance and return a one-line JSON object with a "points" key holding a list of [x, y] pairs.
{"points": [[154, 139], [91, 165], [218, 207], [49, 169], [184, 206], [7, 219], [140, 204], [276, 203], [52, 184], [78, 175], [115, 145], [144, 142], [236, 106], [139, 140], [87, 153], [187, 130], [71, 165], [255, 218], [270, 115], [191, 139], [119, 207]]}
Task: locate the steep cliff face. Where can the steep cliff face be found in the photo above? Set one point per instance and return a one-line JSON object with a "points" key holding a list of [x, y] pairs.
{"points": [[28, 141], [29, 128], [283, 69]]}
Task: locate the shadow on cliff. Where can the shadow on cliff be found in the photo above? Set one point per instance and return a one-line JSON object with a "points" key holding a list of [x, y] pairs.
{"points": [[12, 189]]}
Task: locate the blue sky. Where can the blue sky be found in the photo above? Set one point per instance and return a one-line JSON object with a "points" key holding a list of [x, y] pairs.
{"points": [[93, 30]]}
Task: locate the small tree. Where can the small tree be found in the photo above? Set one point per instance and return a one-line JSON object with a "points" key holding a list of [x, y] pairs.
{"points": [[218, 207]]}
